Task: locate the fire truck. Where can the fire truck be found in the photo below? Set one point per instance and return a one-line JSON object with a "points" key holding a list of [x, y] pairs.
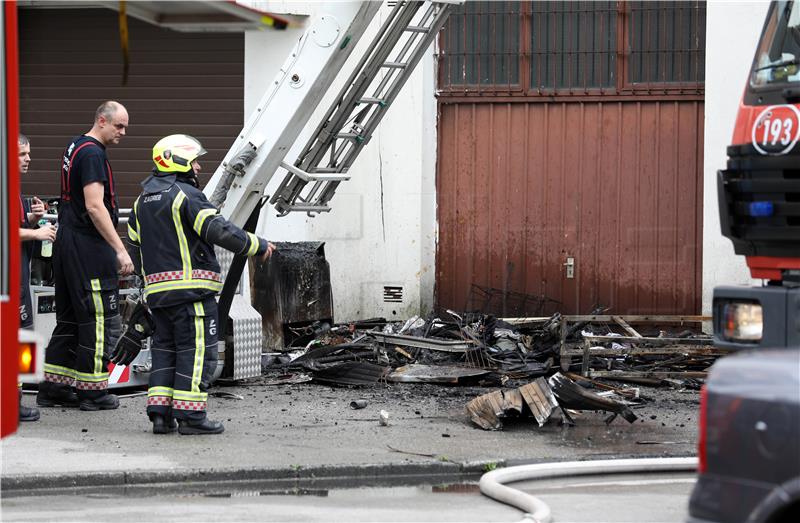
{"points": [[311, 172], [21, 351], [749, 442], [759, 194]]}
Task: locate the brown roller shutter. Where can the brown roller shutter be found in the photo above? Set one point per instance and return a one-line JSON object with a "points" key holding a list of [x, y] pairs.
{"points": [[70, 61]]}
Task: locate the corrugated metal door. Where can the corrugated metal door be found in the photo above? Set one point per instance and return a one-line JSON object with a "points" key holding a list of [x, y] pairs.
{"points": [[70, 61], [570, 174], [616, 187]]}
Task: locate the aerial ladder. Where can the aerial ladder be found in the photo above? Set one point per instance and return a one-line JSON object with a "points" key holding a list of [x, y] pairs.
{"points": [[266, 144]]}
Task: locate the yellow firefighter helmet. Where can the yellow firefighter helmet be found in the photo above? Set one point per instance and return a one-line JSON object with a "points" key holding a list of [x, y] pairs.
{"points": [[176, 152]]}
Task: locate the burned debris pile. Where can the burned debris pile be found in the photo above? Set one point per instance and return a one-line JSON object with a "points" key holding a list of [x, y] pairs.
{"points": [[536, 366]]}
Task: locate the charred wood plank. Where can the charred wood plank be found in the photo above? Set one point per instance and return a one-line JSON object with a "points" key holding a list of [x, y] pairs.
{"points": [[617, 374], [652, 341], [624, 324]]}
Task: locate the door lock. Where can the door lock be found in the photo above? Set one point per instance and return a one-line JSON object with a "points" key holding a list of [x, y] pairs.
{"points": [[570, 265]]}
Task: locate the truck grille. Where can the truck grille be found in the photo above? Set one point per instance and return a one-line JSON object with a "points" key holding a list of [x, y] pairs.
{"points": [[759, 200]]}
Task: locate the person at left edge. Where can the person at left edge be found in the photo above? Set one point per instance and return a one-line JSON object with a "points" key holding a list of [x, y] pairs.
{"points": [[88, 257], [30, 213]]}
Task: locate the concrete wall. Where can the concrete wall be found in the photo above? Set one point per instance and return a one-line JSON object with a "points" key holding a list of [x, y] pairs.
{"points": [[732, 31], [382, 229]]}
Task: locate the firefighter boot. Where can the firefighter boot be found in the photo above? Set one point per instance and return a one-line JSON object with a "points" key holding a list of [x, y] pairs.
{"points": [[54, 395], [163, 424], [27, 413], [203, 427], [106, 402]]}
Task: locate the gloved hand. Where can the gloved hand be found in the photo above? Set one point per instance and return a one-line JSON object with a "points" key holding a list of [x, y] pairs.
{"points": [[138, 328]]}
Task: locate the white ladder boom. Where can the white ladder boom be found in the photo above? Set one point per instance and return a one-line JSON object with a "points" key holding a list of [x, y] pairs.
{"points": [[237, 185], [261, 148], [358, 109]]}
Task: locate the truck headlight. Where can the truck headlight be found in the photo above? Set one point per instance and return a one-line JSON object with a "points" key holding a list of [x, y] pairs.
{"points": [[742, 322]]}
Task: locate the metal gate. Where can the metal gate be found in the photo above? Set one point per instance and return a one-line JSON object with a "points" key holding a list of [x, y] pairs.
{"points": [[570, 154]]}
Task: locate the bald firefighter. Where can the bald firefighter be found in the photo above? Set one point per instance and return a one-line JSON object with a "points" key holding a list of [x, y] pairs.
{"points": [[172, 232], [88, 258]]}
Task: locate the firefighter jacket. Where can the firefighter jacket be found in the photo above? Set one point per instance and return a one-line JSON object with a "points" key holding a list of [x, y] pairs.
{"points": [[174, 228]]}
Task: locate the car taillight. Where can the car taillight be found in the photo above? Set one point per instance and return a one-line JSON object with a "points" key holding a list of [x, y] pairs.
{"points": [[27, 358], [701, 441]]}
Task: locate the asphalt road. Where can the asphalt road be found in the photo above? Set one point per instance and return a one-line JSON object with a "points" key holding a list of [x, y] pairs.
{"points": [[305, 427], [619, 499]]}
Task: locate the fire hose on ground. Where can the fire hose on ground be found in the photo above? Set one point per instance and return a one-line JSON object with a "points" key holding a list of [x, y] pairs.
{"points": [[492, 484]]}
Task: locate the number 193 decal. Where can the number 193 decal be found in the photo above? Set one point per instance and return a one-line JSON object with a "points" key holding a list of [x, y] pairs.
{"points": [[776, 130]]}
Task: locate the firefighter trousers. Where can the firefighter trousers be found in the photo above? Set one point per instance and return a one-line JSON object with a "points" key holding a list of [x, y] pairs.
{"points": [[184, 352], [87, 314], [25, 307]]}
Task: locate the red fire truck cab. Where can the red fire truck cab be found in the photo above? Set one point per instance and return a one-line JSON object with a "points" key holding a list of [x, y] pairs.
{"points": [[759, 194]]}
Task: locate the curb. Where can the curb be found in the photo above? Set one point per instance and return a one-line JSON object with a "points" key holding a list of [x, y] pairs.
{"points": [[28, 484]]}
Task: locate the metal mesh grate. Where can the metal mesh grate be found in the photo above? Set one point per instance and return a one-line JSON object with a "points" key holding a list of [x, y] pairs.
{"points": [[666, 42], [573, 48], [573, 44], [481, 45]]}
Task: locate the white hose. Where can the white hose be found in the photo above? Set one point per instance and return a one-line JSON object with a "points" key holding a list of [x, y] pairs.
{"points": [[492, 483]]}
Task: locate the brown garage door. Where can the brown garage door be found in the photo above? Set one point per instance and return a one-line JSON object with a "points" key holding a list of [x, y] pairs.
{"points": [[570, 157], [70, 61], [614, 187]]}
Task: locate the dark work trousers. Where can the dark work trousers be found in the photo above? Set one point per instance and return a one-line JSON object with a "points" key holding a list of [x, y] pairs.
{"points": [[87, 314], [25, 307], [25, 302], [184, 351]]}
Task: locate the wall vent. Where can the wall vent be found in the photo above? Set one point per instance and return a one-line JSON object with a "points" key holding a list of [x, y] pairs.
{"points": [[392, 294]]}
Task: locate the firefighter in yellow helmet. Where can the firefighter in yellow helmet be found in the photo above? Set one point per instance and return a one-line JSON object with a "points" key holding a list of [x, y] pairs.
{"points": [[172, 231]]}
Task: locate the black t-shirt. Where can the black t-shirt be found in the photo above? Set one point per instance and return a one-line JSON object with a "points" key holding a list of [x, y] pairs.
{"points": [[85, 162]]}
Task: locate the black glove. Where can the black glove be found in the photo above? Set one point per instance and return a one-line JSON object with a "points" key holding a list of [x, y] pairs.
{"points": [[138, 328]]}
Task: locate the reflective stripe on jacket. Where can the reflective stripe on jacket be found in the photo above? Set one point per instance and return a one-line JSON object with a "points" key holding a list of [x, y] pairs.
{"points": [[174, 228]]}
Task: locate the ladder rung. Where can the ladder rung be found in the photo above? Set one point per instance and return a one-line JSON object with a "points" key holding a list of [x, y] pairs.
{"points": [[395, 65], [372, 101], [417, 29], [329, 170], [350, 136], [307, 208], [328, 177], [316, 175]]}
